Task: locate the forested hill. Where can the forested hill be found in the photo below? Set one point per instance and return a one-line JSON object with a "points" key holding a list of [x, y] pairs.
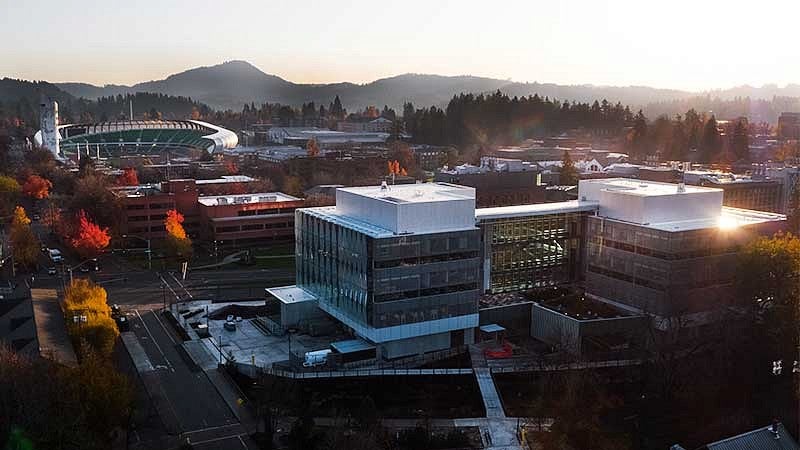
{"points": [[19, 101]]}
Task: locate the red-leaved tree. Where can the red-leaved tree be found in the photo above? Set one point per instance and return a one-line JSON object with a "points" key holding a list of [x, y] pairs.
{"points": [[88, 239], [36, 187], [129, 177]]}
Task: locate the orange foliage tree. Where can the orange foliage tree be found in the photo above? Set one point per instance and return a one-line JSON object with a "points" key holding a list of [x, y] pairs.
{"points": [[396, 169], [24, 245], [312, 148], [36, 187], [88, 238], [129, 177], [178, 243]]}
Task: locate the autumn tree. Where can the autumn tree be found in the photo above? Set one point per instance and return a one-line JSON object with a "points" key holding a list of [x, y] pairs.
{"points": [[178, 243], [767, 285], [129, 177], [24, 245], [231, 168], [312, 148], [583, 402], [293, 186], [49, 405], [89, 317], [36, 187], [88, 239], [9, 191], [92, 195]]}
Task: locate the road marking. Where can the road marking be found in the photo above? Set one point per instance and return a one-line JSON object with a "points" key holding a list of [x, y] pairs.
{"points": [[170, 287], [218, 427], [154, 341], [163, 327], [181, 285], [207, 441]]}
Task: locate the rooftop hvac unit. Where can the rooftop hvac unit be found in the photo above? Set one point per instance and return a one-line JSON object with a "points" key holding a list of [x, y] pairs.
{"points": [[268, 198], [222, 201], [240, 200]]}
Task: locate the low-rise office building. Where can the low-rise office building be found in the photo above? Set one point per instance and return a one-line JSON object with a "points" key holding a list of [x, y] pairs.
{"points": [[498, 181], [399, 265], [740, 191], [234, 218], [665, 249], [242, 219]]}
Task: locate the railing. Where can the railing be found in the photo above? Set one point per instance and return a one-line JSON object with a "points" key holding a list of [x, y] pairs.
{"points": [[255, 371]]}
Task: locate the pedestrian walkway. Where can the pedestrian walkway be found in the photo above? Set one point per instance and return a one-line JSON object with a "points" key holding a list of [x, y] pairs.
{"points": [[497, 431], [491, 399]]}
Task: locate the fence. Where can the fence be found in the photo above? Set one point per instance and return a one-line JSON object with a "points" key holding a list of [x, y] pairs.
{"points": [[255, 371]]}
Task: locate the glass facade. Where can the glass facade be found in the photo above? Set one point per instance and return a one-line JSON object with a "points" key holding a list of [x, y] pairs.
{"points": [[533, 251], [663, 272], [388, 281]]}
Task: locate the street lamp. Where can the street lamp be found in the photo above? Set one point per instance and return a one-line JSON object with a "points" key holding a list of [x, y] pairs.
{"points": [[149, 253], [70, 269]]}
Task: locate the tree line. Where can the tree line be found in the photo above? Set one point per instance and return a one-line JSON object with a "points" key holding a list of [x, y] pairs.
{"points": [[498, 119]]}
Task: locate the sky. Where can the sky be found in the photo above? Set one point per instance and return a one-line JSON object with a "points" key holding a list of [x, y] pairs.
{"points": [[691, 45]]}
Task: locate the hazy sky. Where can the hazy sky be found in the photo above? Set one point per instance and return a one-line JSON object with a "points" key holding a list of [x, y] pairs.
{"points": [[695, 45]]}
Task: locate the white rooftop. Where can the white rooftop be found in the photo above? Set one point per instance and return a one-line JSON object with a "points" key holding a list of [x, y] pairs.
{"points": [[291, 294], [642, 188], [261, 197], [382, 211], [413, 193], [648, 203], [538, 209], [227, 179]]}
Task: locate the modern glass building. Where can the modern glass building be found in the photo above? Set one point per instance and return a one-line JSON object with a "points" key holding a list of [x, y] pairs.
{"points": [[665, 249], [398, 265], [532, 246]]}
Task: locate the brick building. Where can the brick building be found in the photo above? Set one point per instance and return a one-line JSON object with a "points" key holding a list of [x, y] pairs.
{"points": [[241, 219], [233, 218]]}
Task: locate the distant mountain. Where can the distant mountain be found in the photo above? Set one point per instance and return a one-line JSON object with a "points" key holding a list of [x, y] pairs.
{"points": [[20, 99], [90, 91], [13, 90], [234, 83]]}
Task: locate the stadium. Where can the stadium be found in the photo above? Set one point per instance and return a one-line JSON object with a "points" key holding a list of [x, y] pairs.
{"points": [[135, 137]]}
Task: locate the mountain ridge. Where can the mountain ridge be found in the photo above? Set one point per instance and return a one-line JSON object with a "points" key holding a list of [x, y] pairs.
{"points": [[231, 84]]}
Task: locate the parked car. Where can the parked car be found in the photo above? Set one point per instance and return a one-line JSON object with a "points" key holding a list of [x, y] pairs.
{"points": [[36, 217], [52, 271], [84, 269]]}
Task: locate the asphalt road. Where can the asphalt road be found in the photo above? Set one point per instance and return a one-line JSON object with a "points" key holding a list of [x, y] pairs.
{"points": [[192, 398]]}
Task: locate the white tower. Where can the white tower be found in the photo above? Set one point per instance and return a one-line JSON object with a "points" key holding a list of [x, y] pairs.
{"points": [[48, 119]]}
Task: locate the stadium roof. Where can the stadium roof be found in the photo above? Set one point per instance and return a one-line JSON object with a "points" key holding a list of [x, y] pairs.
{"points": [[142, 136]]}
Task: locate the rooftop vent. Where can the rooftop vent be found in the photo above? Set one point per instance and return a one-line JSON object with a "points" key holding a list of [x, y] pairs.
{"points": [[681, 188], [384, 187]]}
